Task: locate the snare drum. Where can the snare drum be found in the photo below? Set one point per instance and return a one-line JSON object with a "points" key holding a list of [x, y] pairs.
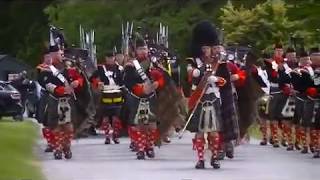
{"points": [[112, 95]]}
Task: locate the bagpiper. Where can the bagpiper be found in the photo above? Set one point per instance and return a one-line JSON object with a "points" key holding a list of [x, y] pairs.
{"points": [[302, 80], [47, 133], [61, 85], [290, 63], [315, 121], [205, 103], [108, 78], [142, 81], [236, 79], [279, 91]]}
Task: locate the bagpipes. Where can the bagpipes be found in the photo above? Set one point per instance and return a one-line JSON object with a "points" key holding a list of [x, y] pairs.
{"points": [[166, 58], [84, 63], [195, 98], [86, 103], [126, 36], [163, 36], [87, 42], [167, 107]]}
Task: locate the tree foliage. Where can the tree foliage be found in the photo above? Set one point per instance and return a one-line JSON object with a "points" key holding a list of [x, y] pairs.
{"points": [[23, 26], [260, 26], [24, 23], [106, 16]]}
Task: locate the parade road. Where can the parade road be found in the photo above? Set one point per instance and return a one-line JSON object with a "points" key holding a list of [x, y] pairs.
{"points": [[95, 161]]}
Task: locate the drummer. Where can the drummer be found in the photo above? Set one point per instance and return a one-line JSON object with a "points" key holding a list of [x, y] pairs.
{"points": [[108, 79]]}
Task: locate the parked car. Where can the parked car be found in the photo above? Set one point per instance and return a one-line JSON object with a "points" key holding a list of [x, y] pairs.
{"points": [[10, 101]]}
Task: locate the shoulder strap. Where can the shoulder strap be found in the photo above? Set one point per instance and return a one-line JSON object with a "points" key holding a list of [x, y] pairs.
{"points": [[198, 62], [111, 80], [57, 74], [140, 71], [287, 68]]}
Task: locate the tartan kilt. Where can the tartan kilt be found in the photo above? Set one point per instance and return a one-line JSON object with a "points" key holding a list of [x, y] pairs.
{"points": [[288, 109], [41, 114], [276, 105], [298, 112], [52, 111], [131, 104], [308, 112], [311, 114], [195, 124], [316, 120]]}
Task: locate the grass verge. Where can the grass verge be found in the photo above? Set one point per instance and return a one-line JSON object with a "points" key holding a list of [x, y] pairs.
{"points": [[17, 158]]}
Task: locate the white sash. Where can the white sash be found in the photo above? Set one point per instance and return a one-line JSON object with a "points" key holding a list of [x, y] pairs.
{"points": [[287, 68], [140, 71], [109, 75], [57, 74]]}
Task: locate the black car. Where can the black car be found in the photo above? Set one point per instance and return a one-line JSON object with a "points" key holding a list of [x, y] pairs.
{"points": [[10, 101]]}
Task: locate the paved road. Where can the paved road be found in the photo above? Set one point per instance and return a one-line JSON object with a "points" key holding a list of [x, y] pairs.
{"points": [[95, 161]]}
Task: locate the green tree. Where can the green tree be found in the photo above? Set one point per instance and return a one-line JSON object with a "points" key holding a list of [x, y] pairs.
{"points": [[261, 26], [106, 16], [23, 29]]}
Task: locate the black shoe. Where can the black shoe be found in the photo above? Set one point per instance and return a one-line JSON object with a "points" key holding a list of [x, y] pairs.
{"points": [[221, 155], [276, 145], [107, 141], [316, 154], [68, 154], [312, 149], [229, 150], [116, 140], [150, 153], [290, 147], [304, 150], [297, 146], [140, 155], [57, 155], [48, 149], [271, 141], [200, 164], [264, 142], [132, 146], [284, 143], [230, 154], [215, 163]]}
